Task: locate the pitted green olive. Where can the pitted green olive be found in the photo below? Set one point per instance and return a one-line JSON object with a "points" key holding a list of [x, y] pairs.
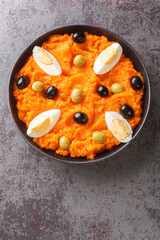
{"points": [[38, 86], [76, 95], [64, 142], [79, 61], [117, 88], [98, 137]]}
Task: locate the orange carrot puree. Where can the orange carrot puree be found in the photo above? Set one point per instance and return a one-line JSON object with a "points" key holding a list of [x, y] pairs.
{"points": [[30, 103]]}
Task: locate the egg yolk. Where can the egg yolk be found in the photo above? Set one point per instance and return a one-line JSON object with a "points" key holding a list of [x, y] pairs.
{"points": [[120, 128], [41, 127], [109, 55], [44, 57]]}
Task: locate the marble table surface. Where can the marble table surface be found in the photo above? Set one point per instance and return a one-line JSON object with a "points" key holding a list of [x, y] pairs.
{"points": [[117, 199]]}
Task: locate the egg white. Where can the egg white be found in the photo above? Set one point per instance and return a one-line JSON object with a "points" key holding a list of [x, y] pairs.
{"points": [[53, 114], [53, 69], [102, 68], [109, 116]]}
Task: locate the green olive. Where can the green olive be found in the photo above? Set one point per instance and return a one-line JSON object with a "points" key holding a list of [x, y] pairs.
{"points": [[64, 142], [38, 86], [79, 61], [117, 88], [98, 137], [76, 95]]}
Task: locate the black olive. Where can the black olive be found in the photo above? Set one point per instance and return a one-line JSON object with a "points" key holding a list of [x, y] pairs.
{"points": [[78, 37], [51, 92], [136, 83], [22, 82], [80, 117], [126, 111], [102, 91]]}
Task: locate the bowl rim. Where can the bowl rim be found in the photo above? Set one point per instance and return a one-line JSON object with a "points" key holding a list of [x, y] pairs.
{"points": [[122, 146]]}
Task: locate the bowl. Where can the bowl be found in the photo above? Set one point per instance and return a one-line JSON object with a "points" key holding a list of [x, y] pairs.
{"points": [[128, 52]]}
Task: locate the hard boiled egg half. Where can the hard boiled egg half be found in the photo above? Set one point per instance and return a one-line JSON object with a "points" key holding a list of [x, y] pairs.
{"points": [[107, 59], [43, 123], [119, 126], [46, 61]]}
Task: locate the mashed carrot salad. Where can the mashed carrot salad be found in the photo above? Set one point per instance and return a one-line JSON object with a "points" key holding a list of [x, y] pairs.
{"points": [[83, 92]]}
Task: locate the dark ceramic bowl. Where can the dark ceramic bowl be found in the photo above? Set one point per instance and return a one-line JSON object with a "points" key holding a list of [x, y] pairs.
{"points": [[128, 52]]}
